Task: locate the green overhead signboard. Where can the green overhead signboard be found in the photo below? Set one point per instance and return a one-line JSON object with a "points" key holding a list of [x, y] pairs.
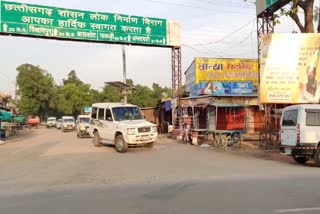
{"points": [[270, 5], [54, 22], [270, 2]]}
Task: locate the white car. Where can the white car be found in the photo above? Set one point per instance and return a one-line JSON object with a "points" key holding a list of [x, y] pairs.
{"points": [[121, 125], [59, 124], [82, 125], [300, 132], [51, 122], [68, 124]]}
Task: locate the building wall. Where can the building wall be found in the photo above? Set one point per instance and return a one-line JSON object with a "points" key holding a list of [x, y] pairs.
{"points": [[151, 115], [190, 77]]}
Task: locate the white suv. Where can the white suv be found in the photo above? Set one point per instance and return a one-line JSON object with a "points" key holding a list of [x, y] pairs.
{"points": [[51, 122], [121, 125], [68, 124]]}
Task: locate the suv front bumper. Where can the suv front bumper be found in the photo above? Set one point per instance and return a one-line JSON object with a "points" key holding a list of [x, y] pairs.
{"points": [[141, 139]]}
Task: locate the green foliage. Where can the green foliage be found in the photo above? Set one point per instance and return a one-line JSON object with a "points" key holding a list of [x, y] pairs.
{"points": [[40, 95], [36, 90]]}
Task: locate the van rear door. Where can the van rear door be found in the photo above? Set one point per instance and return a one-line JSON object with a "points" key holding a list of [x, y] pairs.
{"points": [[289, 129]]}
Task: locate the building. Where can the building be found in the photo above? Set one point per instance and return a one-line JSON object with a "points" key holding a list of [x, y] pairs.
{"points": [[227, 87]]}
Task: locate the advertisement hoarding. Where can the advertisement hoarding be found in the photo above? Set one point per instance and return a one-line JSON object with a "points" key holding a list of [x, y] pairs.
{"points": [[53, 22], [290, 66], [271, 5], [226, 70]]}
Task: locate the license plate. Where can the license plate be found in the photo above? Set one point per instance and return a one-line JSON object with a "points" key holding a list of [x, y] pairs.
{"points": [[144, 138]]}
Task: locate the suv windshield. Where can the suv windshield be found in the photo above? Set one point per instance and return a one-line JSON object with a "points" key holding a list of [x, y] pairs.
{"points": [[126, 113], [68, 120], [84, 120], [51, 120]]}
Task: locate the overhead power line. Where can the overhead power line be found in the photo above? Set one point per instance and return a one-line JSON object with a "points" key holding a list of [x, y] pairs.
{"points": [[227, 36]]}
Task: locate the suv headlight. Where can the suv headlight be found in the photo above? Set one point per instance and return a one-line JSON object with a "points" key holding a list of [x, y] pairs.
{"points": [[154, 129], [132, 131]]}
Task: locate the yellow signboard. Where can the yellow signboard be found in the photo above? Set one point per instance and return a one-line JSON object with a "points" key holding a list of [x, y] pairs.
{"points": [[290, 65], [226, 70]]}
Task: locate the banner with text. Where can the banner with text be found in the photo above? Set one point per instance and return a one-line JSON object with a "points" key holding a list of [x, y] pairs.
{"points": [[290, 68], [227, 70], [54, 22]]}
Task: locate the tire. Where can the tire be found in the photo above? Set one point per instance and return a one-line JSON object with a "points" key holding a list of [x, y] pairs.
{"points": [[96, 139], [222, 141], [120, 144], [149, 145], [317, 157], [301, 160]]}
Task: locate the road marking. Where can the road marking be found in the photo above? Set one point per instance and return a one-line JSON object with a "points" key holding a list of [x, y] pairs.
{"points": [[296, 210]]}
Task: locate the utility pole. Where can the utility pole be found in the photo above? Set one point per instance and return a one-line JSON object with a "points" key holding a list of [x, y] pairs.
{"points": [[124, 69]]}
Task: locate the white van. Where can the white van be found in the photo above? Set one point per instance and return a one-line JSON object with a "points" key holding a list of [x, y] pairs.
{"points": [[300, 132], [121, 125]]}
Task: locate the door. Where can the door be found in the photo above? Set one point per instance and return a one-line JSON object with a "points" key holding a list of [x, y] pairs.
{"points": [[111, 127], [289, 129]]}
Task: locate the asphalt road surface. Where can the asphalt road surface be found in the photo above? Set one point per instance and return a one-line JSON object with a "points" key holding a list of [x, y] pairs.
{"points": [[54, 172]]}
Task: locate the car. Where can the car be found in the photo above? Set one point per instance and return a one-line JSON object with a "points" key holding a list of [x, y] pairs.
{"points": [[121, 125], [59, 124], [82, 125], [68, 123], [300, 132], [51, 122]]}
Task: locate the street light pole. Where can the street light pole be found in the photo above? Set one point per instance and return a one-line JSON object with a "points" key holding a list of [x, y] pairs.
{"points": [[124, 69]]}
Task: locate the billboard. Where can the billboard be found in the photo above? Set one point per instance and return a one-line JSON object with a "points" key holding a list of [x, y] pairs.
{"points": [[290, 68], [62, 23], [224, 88], [226, 70]]}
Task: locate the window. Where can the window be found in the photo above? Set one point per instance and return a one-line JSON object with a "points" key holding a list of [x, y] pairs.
{"points": [[127, 113], [94, 112], [84, 120], [108, 115], [101, 114], [290, 118], [313, 117]]}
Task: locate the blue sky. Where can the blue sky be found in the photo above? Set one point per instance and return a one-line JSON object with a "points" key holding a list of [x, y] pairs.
{"points": [[202, 21]]}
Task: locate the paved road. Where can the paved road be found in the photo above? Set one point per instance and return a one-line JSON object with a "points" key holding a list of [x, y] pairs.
{"points": [[54, 172]]}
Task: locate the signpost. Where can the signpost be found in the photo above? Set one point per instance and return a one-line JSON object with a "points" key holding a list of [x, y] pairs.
{"points": [[62, 23], [270, 5]]}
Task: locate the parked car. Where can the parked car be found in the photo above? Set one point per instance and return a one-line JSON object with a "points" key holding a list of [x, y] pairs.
{"points": [[300, 132], [122, 125], [59, 124], [33, 121], [82, 125], [68, 124], [51, 122]]}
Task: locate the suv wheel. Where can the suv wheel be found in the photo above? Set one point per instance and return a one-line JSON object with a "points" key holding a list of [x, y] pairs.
{"points": [[120, 144], [96, 139], [301, 160], [317, 157]]}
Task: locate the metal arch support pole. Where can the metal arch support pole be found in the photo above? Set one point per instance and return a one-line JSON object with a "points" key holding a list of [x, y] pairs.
{"points": [[265, 25], [176, 79], [176, 73]]}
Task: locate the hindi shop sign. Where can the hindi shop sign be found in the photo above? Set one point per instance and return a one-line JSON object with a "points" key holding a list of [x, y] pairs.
{"points": [[54, 22]]}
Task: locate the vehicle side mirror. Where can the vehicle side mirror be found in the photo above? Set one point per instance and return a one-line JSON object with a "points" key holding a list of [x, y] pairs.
{"points": [[91, 121]]}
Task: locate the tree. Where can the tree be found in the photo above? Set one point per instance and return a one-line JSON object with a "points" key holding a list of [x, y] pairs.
{"points": [[110, 94], [36, 90], [142, 97], [73, 98], [311, 14], [72, 78]]}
